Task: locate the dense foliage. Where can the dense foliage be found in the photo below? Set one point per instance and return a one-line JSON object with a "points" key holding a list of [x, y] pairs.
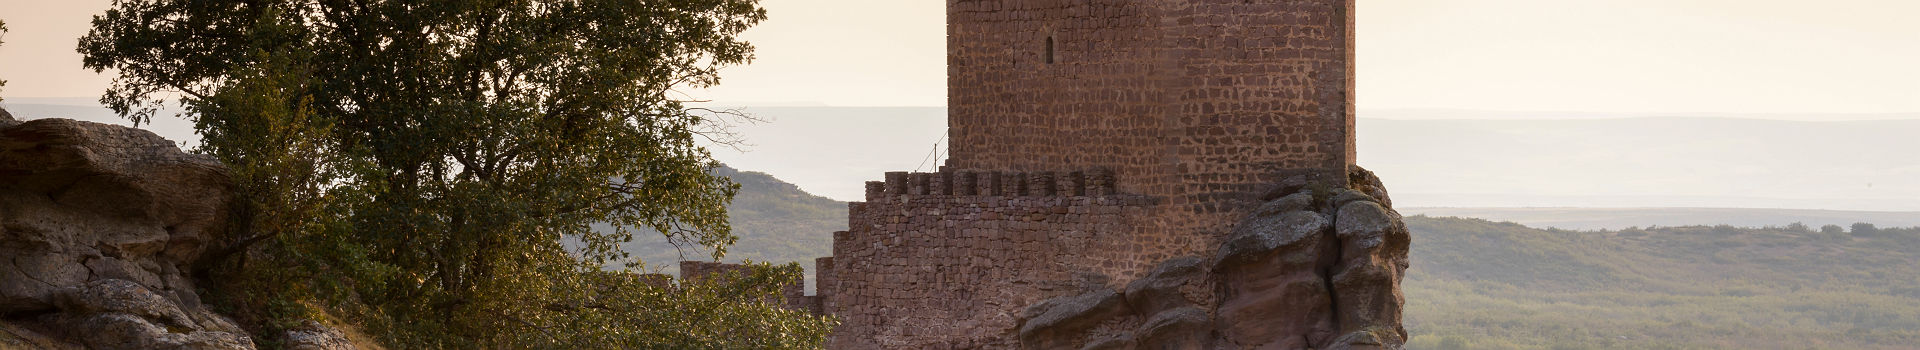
{"points": [[416, 165], [1477, 284]]}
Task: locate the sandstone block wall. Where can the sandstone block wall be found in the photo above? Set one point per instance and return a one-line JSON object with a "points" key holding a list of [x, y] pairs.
{"points": [[823, 275], [936, 260], [1180, 97]]}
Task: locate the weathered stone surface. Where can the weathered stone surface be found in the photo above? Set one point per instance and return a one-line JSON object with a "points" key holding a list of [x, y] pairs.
{"points": [[114, 331], [1373, 259], [1179, 329], [1298, 201], [1365, 225], [123, 297], [1343, 197], [315, 336], [1272, 294], [120, 314], [1293, 234], [97, 225], [1049, 320], [1161, 290], [84, 201], [1366, 182]]}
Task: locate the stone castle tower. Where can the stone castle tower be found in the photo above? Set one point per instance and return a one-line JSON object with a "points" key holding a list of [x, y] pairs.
{"points": [[1090, 140], [1179, 97]]}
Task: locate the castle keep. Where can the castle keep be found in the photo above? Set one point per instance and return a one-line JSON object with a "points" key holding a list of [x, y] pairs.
{"points": [[1090, 141], [1179, 97]]}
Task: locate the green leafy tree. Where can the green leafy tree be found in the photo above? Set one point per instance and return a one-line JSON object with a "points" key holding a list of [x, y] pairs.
{"points": [[1864, 229], [1832, 229], [417, 163]]}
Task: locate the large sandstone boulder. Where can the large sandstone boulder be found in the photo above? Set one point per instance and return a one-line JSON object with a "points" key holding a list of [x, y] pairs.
{"points": [[83, 201], [1050, 322], [98, 224], [121, 314], [1312, 268]]}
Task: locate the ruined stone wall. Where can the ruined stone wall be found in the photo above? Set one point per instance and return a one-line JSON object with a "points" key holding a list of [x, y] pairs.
{"points": [[946, 260]]}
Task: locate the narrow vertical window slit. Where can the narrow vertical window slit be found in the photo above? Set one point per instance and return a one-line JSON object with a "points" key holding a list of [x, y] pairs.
{"points": [[1049, 52]]}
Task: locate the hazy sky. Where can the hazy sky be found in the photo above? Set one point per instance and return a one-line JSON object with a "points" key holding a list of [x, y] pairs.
{"points": [[1419, 60], [1635, 56]]}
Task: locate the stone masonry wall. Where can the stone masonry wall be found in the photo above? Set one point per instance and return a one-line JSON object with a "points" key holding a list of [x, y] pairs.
{"points": [[945, 260], [823, 275], [1179, 97]]}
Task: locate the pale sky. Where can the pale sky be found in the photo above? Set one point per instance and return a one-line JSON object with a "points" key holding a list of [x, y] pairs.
{"points": [[1607, 56], [1524, 60]]}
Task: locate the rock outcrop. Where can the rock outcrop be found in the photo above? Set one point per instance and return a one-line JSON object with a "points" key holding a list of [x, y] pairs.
{"points": [[82, 202], [98, 224], [121, 314], [315, 336], [1314, 267]]}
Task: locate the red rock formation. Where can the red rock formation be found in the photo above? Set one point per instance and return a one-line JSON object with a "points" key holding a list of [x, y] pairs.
{"points": [[1316, 268]]}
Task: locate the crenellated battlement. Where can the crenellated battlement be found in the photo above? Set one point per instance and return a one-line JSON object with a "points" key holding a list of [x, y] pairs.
{"points": [[1094, 183], [933, 241]]}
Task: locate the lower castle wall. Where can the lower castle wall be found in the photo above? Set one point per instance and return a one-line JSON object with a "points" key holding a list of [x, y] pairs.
{"points": [[923, 267]]}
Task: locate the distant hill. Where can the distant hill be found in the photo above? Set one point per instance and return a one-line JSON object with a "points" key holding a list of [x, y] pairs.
{"points": [[775, 220], [1478, 284]]}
